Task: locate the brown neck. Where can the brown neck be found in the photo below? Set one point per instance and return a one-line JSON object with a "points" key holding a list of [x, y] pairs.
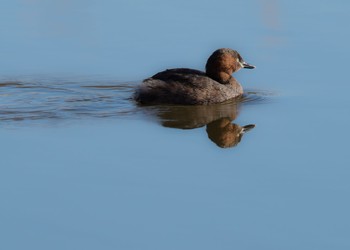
{"points": [[225, 78], [221, 77]]}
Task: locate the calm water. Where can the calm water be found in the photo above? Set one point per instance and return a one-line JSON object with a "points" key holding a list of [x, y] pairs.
{"points": [[83, 167]]}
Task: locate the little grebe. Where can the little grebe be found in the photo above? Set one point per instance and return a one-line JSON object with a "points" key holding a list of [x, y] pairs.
{"points": [[189, 86]]}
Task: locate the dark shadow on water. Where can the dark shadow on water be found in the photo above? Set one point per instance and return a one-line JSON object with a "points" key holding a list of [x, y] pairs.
{"points": [[217, 118]]}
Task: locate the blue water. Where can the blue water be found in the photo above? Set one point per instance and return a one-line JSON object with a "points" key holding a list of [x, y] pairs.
{"points": [[84, 167]]}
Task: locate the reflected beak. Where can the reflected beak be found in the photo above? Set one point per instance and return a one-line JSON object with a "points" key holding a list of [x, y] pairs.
{"points": [[247, 66], [246, 128]]}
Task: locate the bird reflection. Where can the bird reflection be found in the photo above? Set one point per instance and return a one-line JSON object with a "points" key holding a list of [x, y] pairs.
{"points": [[226, 134], [217, 119]]}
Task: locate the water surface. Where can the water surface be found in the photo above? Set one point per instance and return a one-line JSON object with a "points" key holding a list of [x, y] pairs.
{"points": [[84, 167]]}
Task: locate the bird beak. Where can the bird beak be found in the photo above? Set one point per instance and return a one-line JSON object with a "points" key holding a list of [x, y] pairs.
{"points": [[246, 128], [247, 66]]}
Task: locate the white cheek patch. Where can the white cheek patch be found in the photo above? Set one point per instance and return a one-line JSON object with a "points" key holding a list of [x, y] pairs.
{"points": [[240, 63]]}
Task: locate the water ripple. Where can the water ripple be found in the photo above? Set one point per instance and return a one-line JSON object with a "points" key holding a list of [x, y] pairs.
{"points": [[44, 99], [59, 99]]}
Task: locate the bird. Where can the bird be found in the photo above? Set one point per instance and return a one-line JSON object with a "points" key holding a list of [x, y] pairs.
{"points": [[186, 86]]}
